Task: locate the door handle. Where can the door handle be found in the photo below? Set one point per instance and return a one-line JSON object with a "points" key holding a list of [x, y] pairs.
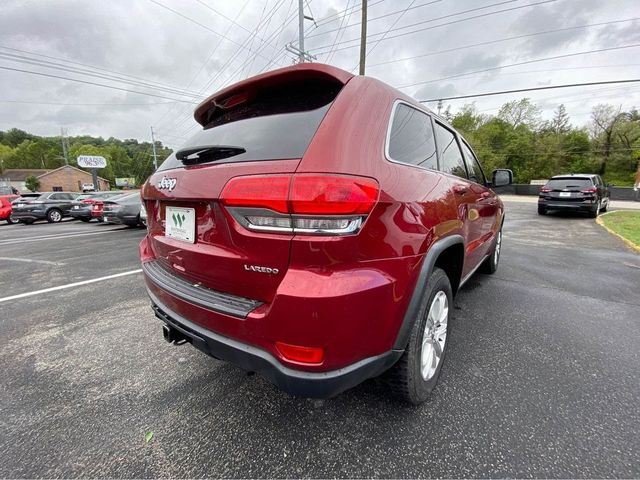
{"points": [[460, 189]]}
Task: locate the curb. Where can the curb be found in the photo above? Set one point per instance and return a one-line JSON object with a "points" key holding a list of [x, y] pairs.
{"points": [[627, 242]]}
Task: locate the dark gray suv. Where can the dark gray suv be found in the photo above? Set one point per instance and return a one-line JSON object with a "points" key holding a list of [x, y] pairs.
{"points": [[575, 192], [49, 206]]}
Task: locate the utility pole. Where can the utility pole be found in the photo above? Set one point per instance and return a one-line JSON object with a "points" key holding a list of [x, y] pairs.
{"points": [[65, 152], [301, 30], [363, 37], [303, 56], [155, 156], [439, 106]]}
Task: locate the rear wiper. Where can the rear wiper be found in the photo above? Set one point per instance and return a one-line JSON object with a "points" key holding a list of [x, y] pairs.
{"points": [[207, 153]]}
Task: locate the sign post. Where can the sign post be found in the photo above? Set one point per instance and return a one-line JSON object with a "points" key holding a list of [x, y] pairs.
{"points": [[94, 162]]}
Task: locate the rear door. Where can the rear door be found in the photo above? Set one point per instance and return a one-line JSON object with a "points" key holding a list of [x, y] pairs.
{"points": [[468, 195], [191, 232], [487, 205]]}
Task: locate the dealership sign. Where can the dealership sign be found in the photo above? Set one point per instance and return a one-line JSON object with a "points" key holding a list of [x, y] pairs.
{"points": [[92, 161]]}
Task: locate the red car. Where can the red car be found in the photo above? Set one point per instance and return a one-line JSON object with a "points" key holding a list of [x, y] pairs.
{"points": [[316, 230], [5, 207]]}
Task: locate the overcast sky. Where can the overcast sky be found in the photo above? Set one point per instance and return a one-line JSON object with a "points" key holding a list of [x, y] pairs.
{"points": [[187, 49]]}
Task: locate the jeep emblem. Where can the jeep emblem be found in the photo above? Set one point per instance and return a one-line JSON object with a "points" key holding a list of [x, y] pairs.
{"points": [[167, 183]]}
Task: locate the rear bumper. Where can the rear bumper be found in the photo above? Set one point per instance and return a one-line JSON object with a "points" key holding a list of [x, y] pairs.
{"points": [[110, 219], [585, 206], [128, 219], [81, 214], [295, 382]]}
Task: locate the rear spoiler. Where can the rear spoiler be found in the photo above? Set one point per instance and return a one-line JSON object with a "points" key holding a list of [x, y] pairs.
{"points": [[245, 90]]}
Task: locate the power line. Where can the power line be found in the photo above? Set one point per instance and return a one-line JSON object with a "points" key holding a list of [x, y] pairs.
{"points": [[93, 83], [340, 31], [560, 69], [57, 66], [176, 122], [200, 25], [93, 67], [329, 18], [533, 89], [527, 62], [441, 24], [393, 25], [369, 20], [490, 42], [87, 104], [186, 116], [211, 54]]}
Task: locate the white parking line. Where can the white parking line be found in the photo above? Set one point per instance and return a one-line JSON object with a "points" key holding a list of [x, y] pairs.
{"points": [[69, 285], [30, 260], [55, 237]]}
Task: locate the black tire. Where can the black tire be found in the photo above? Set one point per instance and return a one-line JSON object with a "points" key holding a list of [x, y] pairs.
{"points": [[54, 216], [605, 207], [490, 264], [542, 210], [10, 220], [405, 378], [594, 213]]}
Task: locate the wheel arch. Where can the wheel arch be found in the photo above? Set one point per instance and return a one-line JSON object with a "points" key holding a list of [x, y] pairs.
{"points": [[447, 254]]}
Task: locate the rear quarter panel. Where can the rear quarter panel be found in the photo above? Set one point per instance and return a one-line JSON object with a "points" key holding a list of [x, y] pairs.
{"points": [[415, 209]]}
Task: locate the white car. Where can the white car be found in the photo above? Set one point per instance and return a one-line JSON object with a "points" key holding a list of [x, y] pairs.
{"points": [[88, 187]]}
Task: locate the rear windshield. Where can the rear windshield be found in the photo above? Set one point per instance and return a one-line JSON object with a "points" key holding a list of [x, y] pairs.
{"points": [[276, 125], [569, 183]]}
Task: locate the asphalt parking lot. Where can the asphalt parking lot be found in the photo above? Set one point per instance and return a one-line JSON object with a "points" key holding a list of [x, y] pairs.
{"points": [[542, 377]]}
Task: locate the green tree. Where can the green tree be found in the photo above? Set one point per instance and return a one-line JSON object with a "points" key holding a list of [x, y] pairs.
{"points": [[32, 183], [520, 112], [15, 137], [560, 122], [6, 152]]}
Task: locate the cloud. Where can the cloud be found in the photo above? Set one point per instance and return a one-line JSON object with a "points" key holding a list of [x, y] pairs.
{"points": [[146, 41]]}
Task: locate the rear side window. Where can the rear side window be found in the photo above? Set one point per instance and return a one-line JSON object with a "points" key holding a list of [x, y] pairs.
{"points": [[277, 124], [569, 183], [451, 160], [475, 171], [411, 138]]}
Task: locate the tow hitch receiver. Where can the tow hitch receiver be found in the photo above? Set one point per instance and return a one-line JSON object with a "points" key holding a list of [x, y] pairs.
{"points": [[172, 335]]}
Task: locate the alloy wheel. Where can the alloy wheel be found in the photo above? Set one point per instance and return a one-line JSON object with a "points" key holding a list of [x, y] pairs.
{"points": [[435, 335]]}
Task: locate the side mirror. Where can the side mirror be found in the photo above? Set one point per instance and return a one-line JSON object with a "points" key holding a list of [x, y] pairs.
{"points": [[502, 177]]}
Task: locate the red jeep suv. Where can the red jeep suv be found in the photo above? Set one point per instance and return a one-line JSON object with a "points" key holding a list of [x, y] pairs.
{"points": [[316, 230]]}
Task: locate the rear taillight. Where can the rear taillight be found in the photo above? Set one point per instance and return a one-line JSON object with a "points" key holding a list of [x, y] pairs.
{"points": [[545, 189], [303, 203], [590, 190]]}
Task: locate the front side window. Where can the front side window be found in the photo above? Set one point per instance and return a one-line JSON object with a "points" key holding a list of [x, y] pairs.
{"points": [[411, 138], [475, 170], [451, 160]]}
